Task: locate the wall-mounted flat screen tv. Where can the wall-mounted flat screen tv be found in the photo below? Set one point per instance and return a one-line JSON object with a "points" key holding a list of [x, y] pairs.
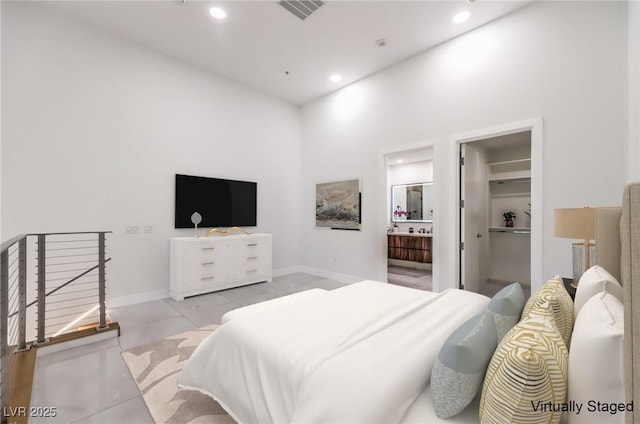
{"points": [[222, 203]]}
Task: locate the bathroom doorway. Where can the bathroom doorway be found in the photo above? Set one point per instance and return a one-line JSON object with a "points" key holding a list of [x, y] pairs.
{"points": [[410, 218]]}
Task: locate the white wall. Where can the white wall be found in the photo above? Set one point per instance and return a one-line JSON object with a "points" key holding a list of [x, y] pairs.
{"points": [[2, 237], [565, 62], [96, 127], [410, 173]]}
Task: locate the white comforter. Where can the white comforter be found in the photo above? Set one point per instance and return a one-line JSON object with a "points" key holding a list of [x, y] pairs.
{"points": [[358, 354]]}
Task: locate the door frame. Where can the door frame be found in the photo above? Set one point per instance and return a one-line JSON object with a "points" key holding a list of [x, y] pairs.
{"points": [[385, 201], [535, 125]]}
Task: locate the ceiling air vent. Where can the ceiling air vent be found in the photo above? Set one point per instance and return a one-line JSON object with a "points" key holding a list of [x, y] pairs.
{"points": [[302, 8]]}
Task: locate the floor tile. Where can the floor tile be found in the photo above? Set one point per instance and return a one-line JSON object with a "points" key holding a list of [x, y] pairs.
{"points": [[142, 313], [297, 278], [328, 284], [252, 294], [233, 294], [81, 384], [211, 315], [133, 411], [91, 383], [87, 349], [420, 283], [133, 336], [318, 284], [194, 303]]}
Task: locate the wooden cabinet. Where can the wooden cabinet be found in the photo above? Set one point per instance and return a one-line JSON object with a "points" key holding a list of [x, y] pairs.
{"points": [[202, 265], [414, 248]]}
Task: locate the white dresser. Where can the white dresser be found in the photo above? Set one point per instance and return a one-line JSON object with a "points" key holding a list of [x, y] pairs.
{"points": [[207, 264]]}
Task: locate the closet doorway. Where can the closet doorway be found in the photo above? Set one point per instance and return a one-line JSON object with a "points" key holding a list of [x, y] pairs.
{"points": [[410, 207], [495, 212]]}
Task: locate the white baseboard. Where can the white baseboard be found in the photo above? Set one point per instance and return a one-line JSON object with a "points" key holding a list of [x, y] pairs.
{"points": [[132, 299], [343, 278], [287, 270]]}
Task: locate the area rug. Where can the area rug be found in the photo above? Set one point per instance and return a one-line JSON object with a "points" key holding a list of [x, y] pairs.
{"points": [[406, 271], [155, 368]]}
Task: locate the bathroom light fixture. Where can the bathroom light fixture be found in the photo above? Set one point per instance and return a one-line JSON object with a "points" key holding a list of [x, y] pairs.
{"points": [[399, 161], [335, 78], [461, 17], [217, 12]]}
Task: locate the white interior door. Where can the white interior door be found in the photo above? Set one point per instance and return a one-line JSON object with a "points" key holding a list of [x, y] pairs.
{"points": [[473, 216]]}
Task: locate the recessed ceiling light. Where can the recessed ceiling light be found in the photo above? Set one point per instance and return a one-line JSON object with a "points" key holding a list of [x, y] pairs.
{"points": [[461, 17], [335, 78], [217, 13]]}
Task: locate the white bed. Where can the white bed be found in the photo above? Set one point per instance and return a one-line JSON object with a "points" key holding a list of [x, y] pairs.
{"points": [[359, 354], [364, 353]]}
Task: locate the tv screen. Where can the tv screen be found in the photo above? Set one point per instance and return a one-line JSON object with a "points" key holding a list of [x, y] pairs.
{"points": [[222, 203]]}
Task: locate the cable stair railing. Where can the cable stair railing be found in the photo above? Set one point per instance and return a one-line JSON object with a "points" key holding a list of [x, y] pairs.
{"points": [[69, 300]]}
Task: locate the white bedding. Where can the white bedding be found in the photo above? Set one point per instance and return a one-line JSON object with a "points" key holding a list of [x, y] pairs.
{"points": [[359, 354]]}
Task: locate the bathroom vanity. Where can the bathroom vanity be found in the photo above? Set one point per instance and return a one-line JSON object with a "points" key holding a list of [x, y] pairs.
{"points": [[413, 247]]}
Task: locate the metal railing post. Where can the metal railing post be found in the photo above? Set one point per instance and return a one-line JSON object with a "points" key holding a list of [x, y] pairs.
{"points": [[102, 281], [22, 295], [4, 321], [42, 251]]}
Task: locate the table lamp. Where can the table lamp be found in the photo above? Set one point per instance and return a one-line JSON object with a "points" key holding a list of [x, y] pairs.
{"points": [[577, 223]]}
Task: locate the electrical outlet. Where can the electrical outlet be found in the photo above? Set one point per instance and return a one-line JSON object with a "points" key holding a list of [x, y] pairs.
{"points": [[131, 229], [148, 229]]}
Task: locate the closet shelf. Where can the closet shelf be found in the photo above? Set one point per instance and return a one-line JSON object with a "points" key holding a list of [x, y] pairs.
{"points": [[513, 170], [513, 230], [515, 180]]}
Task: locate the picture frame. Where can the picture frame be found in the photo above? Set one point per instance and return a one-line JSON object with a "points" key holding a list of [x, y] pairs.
{"points": [[339, 205]]}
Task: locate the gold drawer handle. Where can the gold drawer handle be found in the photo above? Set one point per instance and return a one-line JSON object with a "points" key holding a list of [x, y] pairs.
{"points": [[208, 248], [252, 270], [207, 263], [252, 245], [251, 257], [207, 278]]}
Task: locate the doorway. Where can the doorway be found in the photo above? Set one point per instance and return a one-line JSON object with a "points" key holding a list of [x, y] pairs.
{"points": [[495, 212], [410, 208]]}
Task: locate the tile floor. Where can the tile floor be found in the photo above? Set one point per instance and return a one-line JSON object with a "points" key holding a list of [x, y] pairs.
{"points": [[91, 384], [423, 281]]}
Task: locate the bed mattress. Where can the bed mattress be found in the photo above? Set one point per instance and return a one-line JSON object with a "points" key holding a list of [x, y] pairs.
{"points": [[359, 354]]}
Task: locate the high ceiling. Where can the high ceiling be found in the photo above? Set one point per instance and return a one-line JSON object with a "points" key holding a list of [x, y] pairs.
{"points": [[262, 45]]}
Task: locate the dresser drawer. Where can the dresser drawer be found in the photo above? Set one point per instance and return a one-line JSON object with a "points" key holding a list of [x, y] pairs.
{"points": [[209, 264], [252, 257], [200, 253], [204, 274]]}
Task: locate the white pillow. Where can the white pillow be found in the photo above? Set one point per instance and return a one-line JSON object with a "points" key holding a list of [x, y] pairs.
{"points": [[595, 280], [596, 365]]}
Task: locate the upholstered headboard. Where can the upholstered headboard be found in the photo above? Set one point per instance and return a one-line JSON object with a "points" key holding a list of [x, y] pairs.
{"points": [[630, 267], [608, 246]]}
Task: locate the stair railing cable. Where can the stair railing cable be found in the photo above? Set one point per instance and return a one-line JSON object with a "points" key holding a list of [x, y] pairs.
{"points": [[11, 275], [61, 308], [62, 286]]}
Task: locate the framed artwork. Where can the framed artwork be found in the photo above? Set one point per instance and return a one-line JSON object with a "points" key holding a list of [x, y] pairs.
{"points": [[338, 205]]}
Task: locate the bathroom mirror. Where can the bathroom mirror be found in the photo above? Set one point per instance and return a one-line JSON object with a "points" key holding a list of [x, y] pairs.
{"points": [[412, 202]]}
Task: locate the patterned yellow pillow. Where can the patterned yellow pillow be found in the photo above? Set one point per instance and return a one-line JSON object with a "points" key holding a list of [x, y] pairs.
{"points": [[553, 291], [526, 381]]}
